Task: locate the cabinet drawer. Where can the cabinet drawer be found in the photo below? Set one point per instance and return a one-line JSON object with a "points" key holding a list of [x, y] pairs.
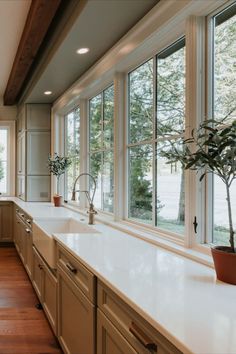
{"points": [[82, 277], [132, 326]]}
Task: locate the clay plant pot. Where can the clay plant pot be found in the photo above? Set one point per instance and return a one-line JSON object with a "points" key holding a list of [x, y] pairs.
{"points": [[57, 200], [225, 264]]}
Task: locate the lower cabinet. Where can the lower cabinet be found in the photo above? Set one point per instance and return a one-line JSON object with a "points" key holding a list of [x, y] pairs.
{"points": [[6, 221], [76, 318], [109, 339], [45, 285], [121, 330]]}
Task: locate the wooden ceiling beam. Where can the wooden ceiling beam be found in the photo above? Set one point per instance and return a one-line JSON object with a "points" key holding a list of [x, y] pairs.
{"points": [[39, 18]]}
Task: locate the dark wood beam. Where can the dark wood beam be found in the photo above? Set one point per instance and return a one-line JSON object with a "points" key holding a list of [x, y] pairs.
{"points": [[38, 21]]}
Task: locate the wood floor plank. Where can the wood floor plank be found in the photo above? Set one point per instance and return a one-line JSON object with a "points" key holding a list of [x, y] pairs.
{"points": [[23, 328]]}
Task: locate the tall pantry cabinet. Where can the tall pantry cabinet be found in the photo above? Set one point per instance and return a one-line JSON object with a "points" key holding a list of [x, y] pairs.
{"points": [[33, 148]]}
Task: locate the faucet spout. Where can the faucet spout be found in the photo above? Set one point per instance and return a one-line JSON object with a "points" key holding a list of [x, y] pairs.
{"points": [[90, 199]]}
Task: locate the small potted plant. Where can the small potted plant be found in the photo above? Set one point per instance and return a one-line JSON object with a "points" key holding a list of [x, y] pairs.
{"points": [[212, 149], [57, 166]]}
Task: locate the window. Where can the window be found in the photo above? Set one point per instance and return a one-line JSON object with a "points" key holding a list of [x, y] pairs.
{"points": [[6, 158], [101, 154], [156, 106], [223, 108], [72, 149]]}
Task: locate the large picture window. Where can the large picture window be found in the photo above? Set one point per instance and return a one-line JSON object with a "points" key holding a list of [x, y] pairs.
{"points": [[72, 149], [223, 108], [156, 109], [101, 150]]}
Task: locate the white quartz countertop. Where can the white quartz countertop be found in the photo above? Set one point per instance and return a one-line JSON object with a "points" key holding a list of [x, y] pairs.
{"points": [[179, 297]]}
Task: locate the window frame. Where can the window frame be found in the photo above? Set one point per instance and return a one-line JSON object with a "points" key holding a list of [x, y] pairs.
{"points": [[208, 192], [153, 143], [103, 149], [65, 185], [10, 127]]}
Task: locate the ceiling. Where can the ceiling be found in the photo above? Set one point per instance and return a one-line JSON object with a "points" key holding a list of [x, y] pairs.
{"points": [[96, 24], [13, 16]]}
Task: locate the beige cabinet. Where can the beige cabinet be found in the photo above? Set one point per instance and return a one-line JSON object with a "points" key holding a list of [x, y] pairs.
{"points": [[119, 323], [76, 313], [45, 285], [6, 221], [33, 148], [109, 339]]}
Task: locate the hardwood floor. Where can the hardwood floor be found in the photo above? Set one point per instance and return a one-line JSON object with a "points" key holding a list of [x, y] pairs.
{"points": [[23, 328]]}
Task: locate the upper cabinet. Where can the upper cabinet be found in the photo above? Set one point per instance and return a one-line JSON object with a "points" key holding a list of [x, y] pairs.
{"points": [[34, 116], [33, 148]]}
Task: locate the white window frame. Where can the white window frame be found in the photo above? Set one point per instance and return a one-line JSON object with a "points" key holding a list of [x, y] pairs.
{"points": [[10, 127], [103, 149], [207, 193]]}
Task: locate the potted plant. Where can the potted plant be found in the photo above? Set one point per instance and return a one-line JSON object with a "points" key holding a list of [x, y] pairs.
{"points": [[57, 166], [212, 149]]}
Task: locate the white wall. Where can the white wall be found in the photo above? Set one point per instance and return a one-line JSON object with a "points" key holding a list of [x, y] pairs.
{"points": [[7, 112]]}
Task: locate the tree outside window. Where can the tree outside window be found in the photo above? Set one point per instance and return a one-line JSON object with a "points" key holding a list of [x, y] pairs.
{"points": [[156, 190], [101, 150]]}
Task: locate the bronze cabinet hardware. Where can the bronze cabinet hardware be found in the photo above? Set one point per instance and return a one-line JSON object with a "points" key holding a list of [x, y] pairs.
{"points": [[71, 268], [142, 337]]}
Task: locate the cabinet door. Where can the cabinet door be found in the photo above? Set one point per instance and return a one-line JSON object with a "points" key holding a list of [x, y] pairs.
{"points": [[21, 187], [38, 116], [28, 252], [38, 149], [76, 318], [109, 339], [49, 295], [21, 154], [6, 222], [17, 233], [37, 274], [38, 188]]}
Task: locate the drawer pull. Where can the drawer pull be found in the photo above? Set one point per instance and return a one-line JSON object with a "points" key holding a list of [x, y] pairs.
{"points": [[27, 231], [22, 215], [28, 221], [142, 337], [71, 268]]}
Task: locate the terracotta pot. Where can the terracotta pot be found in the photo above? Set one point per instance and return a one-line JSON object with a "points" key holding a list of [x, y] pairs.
{"points": [[225, 264], [57, 200]]}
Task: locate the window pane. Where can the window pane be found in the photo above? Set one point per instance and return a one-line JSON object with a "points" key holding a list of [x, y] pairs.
{"points": [[3, 160], [170, 197], [220, 214], [96, 172], [108, 119], [140, 183], [171, 89], [141, 103], [108, 181], [95, 118], [225, 68], [72, 143]]}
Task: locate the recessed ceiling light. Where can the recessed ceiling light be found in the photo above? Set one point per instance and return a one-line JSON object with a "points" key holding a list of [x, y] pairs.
{"points": [[48, 92], [82, 50]]}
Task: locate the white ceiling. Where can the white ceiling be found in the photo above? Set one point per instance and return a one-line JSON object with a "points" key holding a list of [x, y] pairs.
{"points": [[13, 14]]}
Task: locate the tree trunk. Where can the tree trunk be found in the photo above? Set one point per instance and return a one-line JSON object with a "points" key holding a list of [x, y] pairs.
{"points": [[231, 230]]}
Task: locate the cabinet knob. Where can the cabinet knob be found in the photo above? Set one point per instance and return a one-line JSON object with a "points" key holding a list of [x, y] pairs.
{"points": [[71, 268], [27, 231], [142, 337]]}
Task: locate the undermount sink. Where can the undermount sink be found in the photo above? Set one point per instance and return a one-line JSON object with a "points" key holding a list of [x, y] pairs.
{"points": [[44, 228]]}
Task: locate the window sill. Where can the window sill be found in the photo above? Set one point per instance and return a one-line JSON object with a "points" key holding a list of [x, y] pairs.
{"points": [[195, 254]]}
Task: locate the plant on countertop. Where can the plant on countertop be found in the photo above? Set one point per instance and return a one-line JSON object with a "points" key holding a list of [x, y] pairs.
{"points": [[58, 165], [210, 149]]}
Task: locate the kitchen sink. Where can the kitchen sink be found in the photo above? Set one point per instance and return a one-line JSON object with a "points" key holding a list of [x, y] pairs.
{"points": [[44, 228]]}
